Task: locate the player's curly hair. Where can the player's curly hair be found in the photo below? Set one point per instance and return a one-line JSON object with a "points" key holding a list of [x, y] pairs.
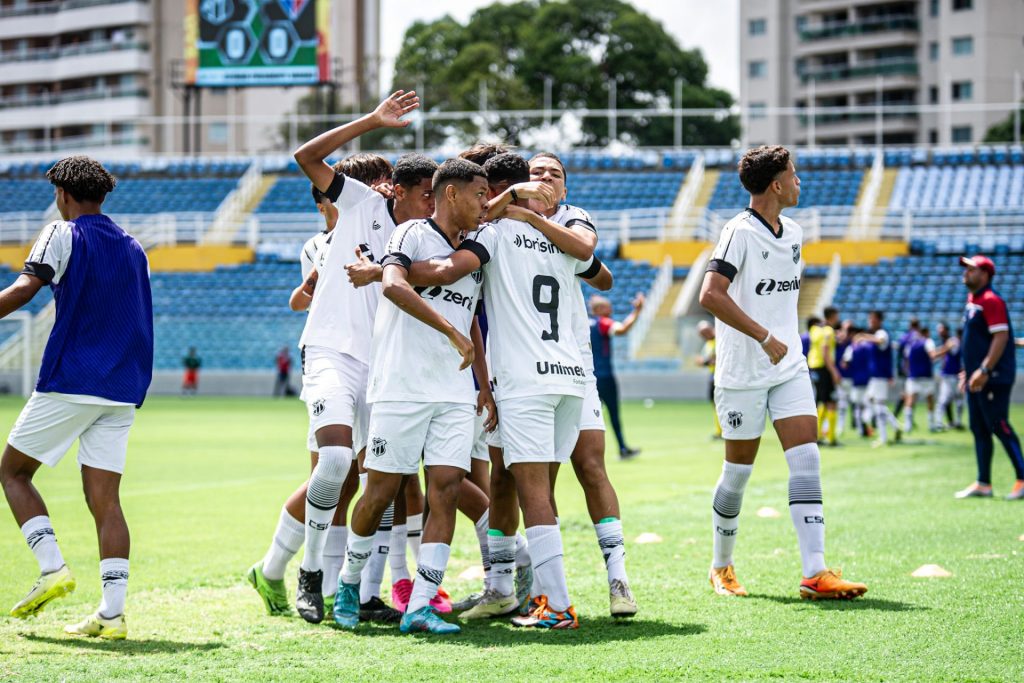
{"points": [[83, 178], [551, 155], [481, 152], [365, 167], [508, 167], [410, 169], [456, 171], [759, 166]]}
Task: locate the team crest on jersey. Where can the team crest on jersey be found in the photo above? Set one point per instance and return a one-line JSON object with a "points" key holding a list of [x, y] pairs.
{"points": [[796, 253], [318, 407], [378, 446], [376, 225], [734, 419], [477, 275], [597, 412], [764, 255]]}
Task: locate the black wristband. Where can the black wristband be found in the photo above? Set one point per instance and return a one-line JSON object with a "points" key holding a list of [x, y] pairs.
{"points": [[515, 197]]}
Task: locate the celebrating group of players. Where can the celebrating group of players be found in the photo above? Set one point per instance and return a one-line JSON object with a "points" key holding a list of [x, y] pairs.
{"points": [[473, 353]]}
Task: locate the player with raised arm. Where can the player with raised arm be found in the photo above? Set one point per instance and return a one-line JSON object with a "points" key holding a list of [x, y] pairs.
{"points": [[423, 400], [96, 369], [538, 373], [751, 287]]}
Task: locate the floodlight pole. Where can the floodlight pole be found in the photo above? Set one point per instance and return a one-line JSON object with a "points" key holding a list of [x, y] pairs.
{"points": [[547, 100], [811, 117], [878, 110], [613, 121], [678, 136], [1016, 107], [421, 90]]}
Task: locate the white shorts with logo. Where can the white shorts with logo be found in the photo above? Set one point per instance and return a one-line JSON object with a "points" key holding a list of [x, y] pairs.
{"points": [[47, 427], [541, 428], [334, 388], [920, 386], [878, 390], [401, 431], [592, 417], [742, 412]]}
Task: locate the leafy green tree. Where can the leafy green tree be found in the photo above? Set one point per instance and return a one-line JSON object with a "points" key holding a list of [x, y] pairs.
{"points": [[580, 47], [1003, 131]]}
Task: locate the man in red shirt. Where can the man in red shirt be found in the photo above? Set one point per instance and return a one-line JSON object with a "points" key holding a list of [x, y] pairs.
{"points": [[282, 386]]}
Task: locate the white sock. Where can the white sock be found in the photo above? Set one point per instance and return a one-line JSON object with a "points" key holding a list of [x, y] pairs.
{"points": [[396, 555], [908, 418], [415, 524], [613, 547], [114, 579], [334, 557], [546, 553], [480, 527], [805, 507], [288, 538], [356, 554], [42, 542], [725, 510], [882, 422], [536, 588], [373, 573], [322, 495], [503, 556], [430, 567]]}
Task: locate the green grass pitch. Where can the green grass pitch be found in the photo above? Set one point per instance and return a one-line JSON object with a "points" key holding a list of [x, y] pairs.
{"points": [[206, 479]]}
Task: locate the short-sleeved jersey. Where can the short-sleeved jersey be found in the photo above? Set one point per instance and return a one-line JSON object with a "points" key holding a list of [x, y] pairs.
{"points": [[601, 342], [917, 350], [857, 359], [822, 341], [951, 361], [411, 361], [51, 253], [341, 316], [307, 257], [528, 286], [569, 216], [985, 315], [881, 356], [764, 270]]}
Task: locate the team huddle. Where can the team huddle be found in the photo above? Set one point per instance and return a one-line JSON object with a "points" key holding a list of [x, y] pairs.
{"points": [[447, 329]]}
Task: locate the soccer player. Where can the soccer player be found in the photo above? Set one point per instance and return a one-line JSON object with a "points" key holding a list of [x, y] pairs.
{"points": [[423, 400], [821, 356], [602, 329], [857, 363], [190, 382], [881, 379], [95, 372], [951, 399], [844, 338], [988, 375], [539, 377], [752, 287], [917, 351], [707, 359]]}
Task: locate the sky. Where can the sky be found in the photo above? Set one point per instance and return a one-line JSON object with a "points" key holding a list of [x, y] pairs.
{"points": [[716, 32]]}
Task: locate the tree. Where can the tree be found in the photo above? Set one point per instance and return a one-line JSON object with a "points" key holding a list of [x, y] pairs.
{"points": [[1003, 131], [581, 46]]}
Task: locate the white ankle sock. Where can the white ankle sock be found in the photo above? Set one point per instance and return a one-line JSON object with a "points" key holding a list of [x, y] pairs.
{"points": [[546, 553], [805, 506], [334, 557], [288, 538], [430, 567], [613, 547], [373, 573], [41, 540], [114, 579], [503, 557], [396, 554], [480, 527], [415, 524], [725, 510], [356, 555]]}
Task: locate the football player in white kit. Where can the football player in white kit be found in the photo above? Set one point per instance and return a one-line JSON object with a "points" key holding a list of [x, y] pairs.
{"points": [[336, 338], [751, 287], [422, 394], [539, 378]]}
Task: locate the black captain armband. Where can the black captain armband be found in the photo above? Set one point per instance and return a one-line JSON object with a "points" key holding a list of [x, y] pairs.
{"points": [[478, 250], [723, 268], [396, 259], [337, 185], [593, 270]]}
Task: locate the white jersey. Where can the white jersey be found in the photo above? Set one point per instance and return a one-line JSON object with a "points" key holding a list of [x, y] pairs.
{"points": [[528, 286], [341, 316], [307, 257], [764, 270], [568, 216], [410, 360]]}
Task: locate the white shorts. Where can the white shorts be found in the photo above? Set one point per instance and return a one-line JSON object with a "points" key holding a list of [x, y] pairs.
{"points": [[845, 387], [857, 394], [592, 417], [541, 428], [400, 431], [949, 387], [47, 427], [878, 390], [334, 387], [742, 412], [920, 386]]}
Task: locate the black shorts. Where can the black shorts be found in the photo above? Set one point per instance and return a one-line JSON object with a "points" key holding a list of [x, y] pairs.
{"points": [[824, 386]]}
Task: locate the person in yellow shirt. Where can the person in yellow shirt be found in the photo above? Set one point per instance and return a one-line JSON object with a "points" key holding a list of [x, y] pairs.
{"points": [[707, 359], [821, 360]]}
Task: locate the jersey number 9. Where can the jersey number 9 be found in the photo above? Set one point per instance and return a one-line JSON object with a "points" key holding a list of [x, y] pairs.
{"points": [[550, 306]]}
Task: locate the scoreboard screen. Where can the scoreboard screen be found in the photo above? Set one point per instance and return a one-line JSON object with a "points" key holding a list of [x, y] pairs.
{"points": [[232, 43]]}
